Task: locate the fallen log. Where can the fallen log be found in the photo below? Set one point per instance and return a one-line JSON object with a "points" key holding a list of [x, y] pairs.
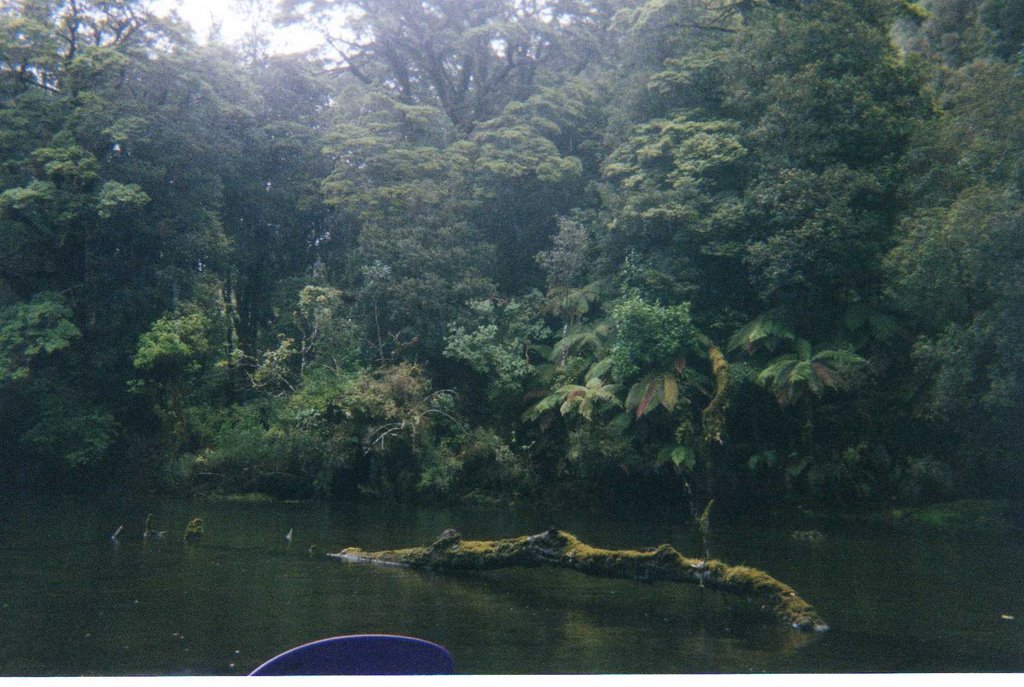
{"points": [[555, 548]]}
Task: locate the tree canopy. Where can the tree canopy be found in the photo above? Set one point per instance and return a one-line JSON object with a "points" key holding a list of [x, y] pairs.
{"points": [[495, 250]]}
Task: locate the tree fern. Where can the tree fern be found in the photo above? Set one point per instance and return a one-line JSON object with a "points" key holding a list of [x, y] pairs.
{"points": [[586, 399], [571, 303], [765, 330], [592, 338], [582, 399], [793, 375], [599, 369], [657, 388]]}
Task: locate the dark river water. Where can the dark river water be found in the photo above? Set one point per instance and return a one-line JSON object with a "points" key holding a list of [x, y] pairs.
{"points": [[74, 603]]}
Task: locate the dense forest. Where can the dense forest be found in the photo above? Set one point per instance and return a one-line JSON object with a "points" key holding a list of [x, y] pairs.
{"points": [[492, 251]]}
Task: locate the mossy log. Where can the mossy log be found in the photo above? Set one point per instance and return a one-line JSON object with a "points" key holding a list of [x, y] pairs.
{"points": [[563, 550]]}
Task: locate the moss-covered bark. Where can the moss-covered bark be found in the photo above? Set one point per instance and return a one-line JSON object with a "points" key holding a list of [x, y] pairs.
{"points": [[561, 549], [713, 415]]}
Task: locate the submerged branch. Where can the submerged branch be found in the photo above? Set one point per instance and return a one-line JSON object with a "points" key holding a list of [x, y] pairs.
{"points": [[563, 550]]}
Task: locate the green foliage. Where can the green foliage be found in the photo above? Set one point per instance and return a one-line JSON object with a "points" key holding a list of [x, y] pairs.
{"points": [[396, 419], [793, 376], [478, 466], [525, 175], [503, 346], [955, 271], [67, 165], [923, 480], [658, 388], [30, 330], [591, 340], [511, 152], [173, 345], [485, 351], [384, 172], [194, 530], [596, 451], [567, 264], [73, 434], [684, 458], [325, 339], [1005, 19], [962, 30], [584, 400], [649, 336], [766, 330], [538, 216], [328, 336], [241, 441], [450, 54], [274, 369], [674, 155], [115, 196], [248, 454]]}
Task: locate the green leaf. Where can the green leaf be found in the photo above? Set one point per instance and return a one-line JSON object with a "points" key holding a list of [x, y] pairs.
{"points": [[797, 468], [670, 392], [115, 196], [599, 369], [647, 401], [705, 519], [684, 457], [28, 330], [546, 404], [766, 329], [620, 423], [171, 343]]}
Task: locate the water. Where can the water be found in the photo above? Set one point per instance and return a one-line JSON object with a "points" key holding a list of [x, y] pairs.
{"points": [[73, 603]]}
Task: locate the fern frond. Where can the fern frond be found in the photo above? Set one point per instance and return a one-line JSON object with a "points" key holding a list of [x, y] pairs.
{"points": [[670, 392], [599, 369], [765, 330], [544, 405], [579, 337]]}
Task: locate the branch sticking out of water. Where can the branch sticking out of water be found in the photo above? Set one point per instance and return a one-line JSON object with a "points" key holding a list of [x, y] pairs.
{"points": [[555, 548], [194, 530]]}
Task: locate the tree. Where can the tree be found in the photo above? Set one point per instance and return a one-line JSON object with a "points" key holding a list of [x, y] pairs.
{"points": [[469, 58], [961, 31], [957, 270], [806, 372], [30, 330], [801, 375], [271, 168], [953, 269], [525, 174], [41, 39], [504, 348], [769, 157], [170, 356], [647, 355]]}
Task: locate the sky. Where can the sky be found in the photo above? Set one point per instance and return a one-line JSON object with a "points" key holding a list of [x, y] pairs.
{"points": [[202, 14]]}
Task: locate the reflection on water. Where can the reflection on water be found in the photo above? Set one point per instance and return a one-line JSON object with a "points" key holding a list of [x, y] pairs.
{"points": [[75, 603]]}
